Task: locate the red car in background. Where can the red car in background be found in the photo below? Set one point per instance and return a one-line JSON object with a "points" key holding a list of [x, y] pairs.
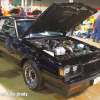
{"points": [[14, 11], [35, 13], [28, 12]]}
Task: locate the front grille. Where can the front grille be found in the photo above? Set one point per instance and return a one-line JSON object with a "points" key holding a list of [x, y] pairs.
{"points": [[89, 67]]}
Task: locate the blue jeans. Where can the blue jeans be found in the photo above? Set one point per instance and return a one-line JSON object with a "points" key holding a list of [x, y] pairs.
{"points": [[96, 33], [68, 33], [88, 34], [71, 32], [8, 43]]}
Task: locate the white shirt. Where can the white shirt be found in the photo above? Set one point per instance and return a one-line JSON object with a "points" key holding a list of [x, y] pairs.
{"points": [[89, 25]]}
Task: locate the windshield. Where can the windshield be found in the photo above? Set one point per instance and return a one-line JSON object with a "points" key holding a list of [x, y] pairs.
{"points": [[22, 26], [43, 34]]}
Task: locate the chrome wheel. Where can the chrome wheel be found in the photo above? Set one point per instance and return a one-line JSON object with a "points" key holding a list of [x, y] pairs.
{"points": [[30, 76]]}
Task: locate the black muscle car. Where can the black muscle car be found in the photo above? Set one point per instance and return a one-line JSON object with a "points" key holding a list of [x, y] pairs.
{"points": [[49, 57]]}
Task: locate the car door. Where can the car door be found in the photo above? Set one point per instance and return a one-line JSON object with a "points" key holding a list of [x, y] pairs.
{"points": [[21, 26]]}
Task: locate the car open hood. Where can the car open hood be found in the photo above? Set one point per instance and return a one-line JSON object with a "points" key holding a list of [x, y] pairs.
{"points": [[14, 11], [61, 17], [36, 12]]}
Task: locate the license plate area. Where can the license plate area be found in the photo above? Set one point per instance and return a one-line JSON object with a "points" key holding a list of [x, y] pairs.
{"points": [[97, 80]]}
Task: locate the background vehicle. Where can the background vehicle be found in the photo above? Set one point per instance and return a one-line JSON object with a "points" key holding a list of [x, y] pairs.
{"points": [[34, 13], [14, 12], [28, 13]]}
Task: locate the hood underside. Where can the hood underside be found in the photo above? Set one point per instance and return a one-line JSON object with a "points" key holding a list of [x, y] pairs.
{"points": [[61, 17]]}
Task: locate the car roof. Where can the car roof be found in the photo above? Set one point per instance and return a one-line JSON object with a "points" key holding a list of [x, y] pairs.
{"points": [[20, 17], [16, 17]]}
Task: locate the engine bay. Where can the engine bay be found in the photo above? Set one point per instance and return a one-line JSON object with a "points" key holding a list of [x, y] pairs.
{"points": [[62, 47]]}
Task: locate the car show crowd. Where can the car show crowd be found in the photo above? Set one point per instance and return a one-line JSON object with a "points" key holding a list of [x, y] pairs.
{"points": [[90, 28], [19, 12]]}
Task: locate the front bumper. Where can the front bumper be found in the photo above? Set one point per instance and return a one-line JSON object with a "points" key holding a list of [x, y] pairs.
{"points": [[64, 88], [85, 83], [90, 70]]}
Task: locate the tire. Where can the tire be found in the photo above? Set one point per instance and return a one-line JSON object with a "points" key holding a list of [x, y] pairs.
{"points": [[32, 76]]}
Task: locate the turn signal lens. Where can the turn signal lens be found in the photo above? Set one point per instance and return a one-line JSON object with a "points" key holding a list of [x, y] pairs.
{"points": [[76, 87], [61, 72]]}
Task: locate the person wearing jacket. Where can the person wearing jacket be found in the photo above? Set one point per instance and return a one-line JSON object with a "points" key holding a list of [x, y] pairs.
{"points": [[1, 13], [96, 29], [4, 12], [22, 12]]}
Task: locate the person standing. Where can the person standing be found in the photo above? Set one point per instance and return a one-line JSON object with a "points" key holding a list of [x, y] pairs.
{"points": [[96, 29], [70, 33], [92, 19], [89, 28], [9, 42], [4, 12], [22, 12], [1, 13]]}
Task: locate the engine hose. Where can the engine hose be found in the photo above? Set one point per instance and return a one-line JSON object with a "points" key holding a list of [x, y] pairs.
{"points": [[69, 48]]}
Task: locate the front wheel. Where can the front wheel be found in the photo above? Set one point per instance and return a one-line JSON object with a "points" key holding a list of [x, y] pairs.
{"points": [[32, 76]]}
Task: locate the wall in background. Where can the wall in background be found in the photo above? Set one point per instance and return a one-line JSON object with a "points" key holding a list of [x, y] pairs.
{"points": [[5, 4], [92, 3], [44, 4], [41, 5]]}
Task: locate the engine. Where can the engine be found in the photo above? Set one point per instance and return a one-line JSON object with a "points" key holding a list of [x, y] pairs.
{"points": [[61, 48]]}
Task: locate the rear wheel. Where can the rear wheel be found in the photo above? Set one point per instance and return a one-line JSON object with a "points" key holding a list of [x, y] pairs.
{"points": [[32, 76]]}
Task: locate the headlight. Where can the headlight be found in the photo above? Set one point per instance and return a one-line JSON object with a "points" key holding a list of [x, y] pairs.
{"points": [[64, 71], [75, 68], [67, 70]]}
